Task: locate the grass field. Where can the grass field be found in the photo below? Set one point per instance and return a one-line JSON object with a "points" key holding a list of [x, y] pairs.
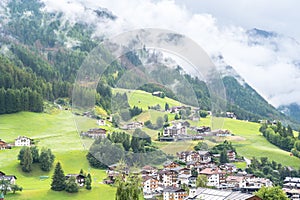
{"points": [[249, 142], [58, 132], [144, 99]]}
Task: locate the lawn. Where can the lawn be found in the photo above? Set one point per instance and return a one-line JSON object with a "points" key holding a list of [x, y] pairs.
{"points": [[144, 99], [58, 132], [249, 142]]}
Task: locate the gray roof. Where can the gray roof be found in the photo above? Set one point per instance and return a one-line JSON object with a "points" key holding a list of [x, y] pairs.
{"points": [[212, 194]]}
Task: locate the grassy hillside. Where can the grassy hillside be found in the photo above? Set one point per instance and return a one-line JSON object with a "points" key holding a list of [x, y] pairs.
{"points": [[58, 132], [249, 142], [144, 99]]}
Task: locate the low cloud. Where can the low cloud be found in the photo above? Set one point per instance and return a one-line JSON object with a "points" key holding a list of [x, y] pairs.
{"points": [[267, 64]]}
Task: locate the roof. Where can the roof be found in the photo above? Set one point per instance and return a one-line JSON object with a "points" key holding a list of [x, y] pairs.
{"points": [[75, 175], [22, 137], [173, 190], [212, 194], [148, 167], [210, 171], [8, 177]]}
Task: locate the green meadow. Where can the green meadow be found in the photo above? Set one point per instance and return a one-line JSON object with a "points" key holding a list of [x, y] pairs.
{"points": [[58, 132], [144, 99], [249, 142]]}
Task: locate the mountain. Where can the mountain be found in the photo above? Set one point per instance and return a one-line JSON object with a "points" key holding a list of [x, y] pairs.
{"points": [[50, 49], [292, 110]]}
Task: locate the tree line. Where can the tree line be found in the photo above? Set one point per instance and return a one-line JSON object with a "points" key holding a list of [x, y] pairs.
{"points": [[263, 167], [279, 135], [136, 149], [30, 155]]}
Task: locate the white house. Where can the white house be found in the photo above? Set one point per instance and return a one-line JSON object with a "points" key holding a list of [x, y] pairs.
{"points": [[174, 130], [174, 193], [22, 141], [150, 185], [214, 176]]}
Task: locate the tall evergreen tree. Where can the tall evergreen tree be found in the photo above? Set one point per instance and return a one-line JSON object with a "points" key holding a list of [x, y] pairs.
{"points": [[2, 101], [21, 155], [167, 106], [35, 154], [88, 182], [46, 160], [224, 157], [58, 179], [27, 160]]}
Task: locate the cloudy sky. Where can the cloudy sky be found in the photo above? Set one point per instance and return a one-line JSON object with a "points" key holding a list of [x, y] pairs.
{"points": [[269, 65]]}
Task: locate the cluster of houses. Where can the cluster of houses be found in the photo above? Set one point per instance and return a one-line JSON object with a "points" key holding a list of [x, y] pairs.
{"points": [[291, 187], [19, 142], [169, 180], [179, 131]]}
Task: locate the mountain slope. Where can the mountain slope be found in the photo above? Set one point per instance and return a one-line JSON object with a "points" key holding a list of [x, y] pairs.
{"points": [[52, 48]]}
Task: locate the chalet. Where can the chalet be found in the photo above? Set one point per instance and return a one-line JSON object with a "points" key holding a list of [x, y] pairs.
{"points": [[205, 156], [203, 129], [101, 122], [80, 179], [158, 94], [189, 156], [235, 181], [253, 184], [170, 165], [116, 167], [23, 141], [11, 178], [215, 176], [168, 178], [133, 125], [150, 185], [95, 133], [174, 130], [231, 155], [230, 115], [174, 193], [176, 109], [184, 179], [222, 133], [4, 145], [149, 170]]}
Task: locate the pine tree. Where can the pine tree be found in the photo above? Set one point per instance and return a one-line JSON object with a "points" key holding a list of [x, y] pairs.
{"points": [[224, 157], [21, 155], [35, 154], [88, 182], [58, 179], [46, 160], [167, 106], [290, 131], [2, 101], [27, 160], [71, 185]]}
